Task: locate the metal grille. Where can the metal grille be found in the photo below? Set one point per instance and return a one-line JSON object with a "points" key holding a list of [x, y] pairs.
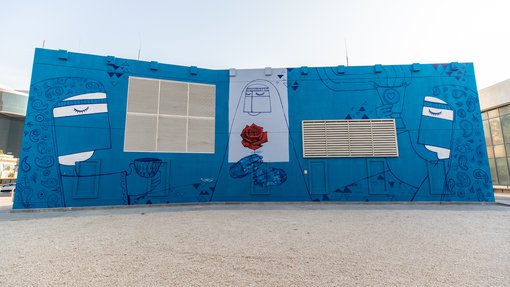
{"points": [[169, 116], [143, 95], [201, 100], [200, 135], [173, 99], [140, 132], [349, 138]]}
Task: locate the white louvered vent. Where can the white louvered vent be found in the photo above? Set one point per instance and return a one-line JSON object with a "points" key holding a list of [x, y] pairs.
{"points": [[350, 138]]}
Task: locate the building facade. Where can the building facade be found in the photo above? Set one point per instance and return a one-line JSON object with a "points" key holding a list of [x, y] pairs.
{"points": [[495, 105], [13, 105], [110, 131]]}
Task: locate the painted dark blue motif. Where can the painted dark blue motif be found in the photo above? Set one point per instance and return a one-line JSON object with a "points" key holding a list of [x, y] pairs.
{"points": [[266, 177], [245, 166], [72, 150], [147, 167], [262, 176]]}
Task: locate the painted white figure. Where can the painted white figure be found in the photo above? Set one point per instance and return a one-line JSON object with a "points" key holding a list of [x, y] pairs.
{"points": [[436, 127], [81, 127]]}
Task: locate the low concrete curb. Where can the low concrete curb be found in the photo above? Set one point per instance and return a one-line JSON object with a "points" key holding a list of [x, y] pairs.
{"points": [[248, 203]]}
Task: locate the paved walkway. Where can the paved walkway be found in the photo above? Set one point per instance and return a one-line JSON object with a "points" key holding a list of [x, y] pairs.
{"points": [[503, 198], [259, 245]]}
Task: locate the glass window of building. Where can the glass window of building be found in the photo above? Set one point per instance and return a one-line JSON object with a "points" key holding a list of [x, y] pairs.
{"points": [[499, 151], [493, 113], [504, 110], [503, 176], [490, 152], [497, 135], [487, 133], [505, 125], [494, 173], [496, 129]]}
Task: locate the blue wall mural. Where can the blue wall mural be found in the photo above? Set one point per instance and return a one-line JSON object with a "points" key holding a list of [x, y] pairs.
{"points": [[73, 150]]}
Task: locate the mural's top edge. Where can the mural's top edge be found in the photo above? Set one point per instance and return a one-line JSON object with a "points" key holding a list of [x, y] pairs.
{"points": [[155, 65]]}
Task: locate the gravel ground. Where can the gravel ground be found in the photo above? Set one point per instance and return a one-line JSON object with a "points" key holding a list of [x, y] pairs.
{"points": [[259, 245]]}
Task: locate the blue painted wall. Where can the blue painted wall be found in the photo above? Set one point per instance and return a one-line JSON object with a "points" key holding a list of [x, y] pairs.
{"points": [[114, 177]]}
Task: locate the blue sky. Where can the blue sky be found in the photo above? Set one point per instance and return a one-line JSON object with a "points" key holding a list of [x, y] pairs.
{"points": [[256, 34]]}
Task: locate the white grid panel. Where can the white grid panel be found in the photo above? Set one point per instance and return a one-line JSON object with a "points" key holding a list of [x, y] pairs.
{"points": [[181, 111], [349, 138]]}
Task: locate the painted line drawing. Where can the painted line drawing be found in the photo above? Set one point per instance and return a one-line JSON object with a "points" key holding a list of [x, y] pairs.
{"points": [[257, 99], [82, 117], [436, 113], [245, 166], [262, 176], [266, 177]]}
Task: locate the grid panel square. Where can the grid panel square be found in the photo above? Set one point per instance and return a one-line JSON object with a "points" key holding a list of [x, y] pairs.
{"points": [[172, 134], [140, 133], [201, 135], [202, 100], [143, 95]]}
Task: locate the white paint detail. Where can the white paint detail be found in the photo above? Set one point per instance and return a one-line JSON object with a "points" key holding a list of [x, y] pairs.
{"points": [[72, 159], [444, 114], [442, 153], [79, 110], [434, 100], [89, 96]]}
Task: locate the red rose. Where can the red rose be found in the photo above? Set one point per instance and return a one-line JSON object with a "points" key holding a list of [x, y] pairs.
{"points": [[253, 136]]}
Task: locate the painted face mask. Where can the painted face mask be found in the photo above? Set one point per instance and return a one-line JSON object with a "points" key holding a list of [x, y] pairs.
{"points": [[257, 99], [436, 127], [81, 127]]}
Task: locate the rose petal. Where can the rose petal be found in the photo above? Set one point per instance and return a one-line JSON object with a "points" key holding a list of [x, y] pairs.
{"points": [[264, 137]]}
